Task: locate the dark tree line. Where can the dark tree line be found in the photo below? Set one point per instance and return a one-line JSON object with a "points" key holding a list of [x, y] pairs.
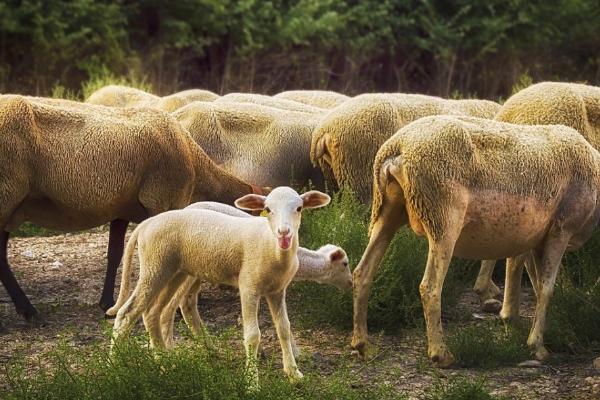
{"points": [[471, 47]]}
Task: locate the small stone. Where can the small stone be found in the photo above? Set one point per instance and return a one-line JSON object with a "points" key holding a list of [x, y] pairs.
{"points": [[28, 254], [56, 265], [530, 364]]}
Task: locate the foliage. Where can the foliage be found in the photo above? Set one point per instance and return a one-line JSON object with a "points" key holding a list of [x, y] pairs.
{"points": [[460, 388], [191, 371], [395, 300], [489, 344], [428, 46]]}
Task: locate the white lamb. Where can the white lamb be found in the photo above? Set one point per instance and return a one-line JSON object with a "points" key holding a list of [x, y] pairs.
{"points": [[259, 255], [327, 265]]}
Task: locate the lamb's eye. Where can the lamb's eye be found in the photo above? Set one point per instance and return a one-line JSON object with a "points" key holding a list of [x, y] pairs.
{"points": [[345, 263], [267, 210], [299, 209]]}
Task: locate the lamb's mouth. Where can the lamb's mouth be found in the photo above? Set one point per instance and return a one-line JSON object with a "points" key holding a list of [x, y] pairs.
{"points": [[284, 242]]}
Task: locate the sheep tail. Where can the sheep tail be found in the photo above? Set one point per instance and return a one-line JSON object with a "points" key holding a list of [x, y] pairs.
{"points": [[125, 274]]}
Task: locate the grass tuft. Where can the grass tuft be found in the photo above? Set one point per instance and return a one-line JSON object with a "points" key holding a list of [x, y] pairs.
{"points": [[460, 388]]}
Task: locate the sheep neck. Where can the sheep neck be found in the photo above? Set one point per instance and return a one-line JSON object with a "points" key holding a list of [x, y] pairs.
{"points": [[310, 266]]}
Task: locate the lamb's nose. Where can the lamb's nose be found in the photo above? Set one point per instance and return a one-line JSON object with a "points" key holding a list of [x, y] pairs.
{"points": [[283, 231]]}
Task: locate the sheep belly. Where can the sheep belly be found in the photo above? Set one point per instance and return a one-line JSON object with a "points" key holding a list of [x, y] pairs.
{"points": [[500, 225]]}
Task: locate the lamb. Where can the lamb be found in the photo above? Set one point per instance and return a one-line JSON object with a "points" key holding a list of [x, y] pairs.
{"points": [[459, 181], [264, 145], [327, 265], [260, 99], [570, 104], [316, 98], [258, 255], [72, 166], [346, 141]]}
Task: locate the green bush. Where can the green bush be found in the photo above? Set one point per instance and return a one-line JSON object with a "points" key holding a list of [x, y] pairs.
{"points": [[489, 344], [395, 300], [186, 372]]}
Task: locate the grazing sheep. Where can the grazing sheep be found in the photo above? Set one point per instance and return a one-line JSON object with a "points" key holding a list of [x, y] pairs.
{"points": [[264, 145], [258, 255], [460, 182], [177, 100], [262, 100], [346, 141], [316, 98], [122, 96], [327, 265], [71, 166], [546, 103]]}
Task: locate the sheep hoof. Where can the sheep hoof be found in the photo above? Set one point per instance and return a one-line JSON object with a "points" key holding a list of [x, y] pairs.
{"points": [[35, 320], [444, 359], [360, 349], [105, 304], [541, 353], [491, 306]]}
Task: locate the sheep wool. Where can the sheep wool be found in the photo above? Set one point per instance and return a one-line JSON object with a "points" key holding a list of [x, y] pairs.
{"points": [[346, 141], [260, 99], [265, 145], [122, 96], [570, 104], [480, 154], [316, 98], [177, 100]]}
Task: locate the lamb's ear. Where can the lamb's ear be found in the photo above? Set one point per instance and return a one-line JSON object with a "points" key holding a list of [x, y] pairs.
{"points": [[315, 199], [251, 202], [337, 255]]}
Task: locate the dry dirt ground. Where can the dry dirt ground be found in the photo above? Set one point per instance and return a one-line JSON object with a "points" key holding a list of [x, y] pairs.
{"points": [[63, 277]]}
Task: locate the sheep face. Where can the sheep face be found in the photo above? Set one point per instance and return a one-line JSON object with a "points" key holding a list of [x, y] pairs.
{"points": [[284, 209], [337, 272]]}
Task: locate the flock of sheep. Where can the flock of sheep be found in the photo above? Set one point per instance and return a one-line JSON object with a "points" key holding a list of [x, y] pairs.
{"points": [[477, 179]]}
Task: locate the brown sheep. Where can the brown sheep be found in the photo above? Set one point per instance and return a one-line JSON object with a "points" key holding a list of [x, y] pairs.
{"points": [[71, 166], [459, 182]]}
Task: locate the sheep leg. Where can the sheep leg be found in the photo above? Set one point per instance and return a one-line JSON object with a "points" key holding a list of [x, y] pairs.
{"points": [[485, 287], [278, 310], [152, 317], [116, 243], [250, 302], [382, 233], [546, 268], [18, 296], [438, 260], [167, 318], [512, 288]]}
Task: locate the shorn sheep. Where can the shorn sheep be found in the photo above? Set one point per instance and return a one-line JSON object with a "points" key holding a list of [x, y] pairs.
{"points": [[71, 166], [546, 103], [460, 182], [258, 255], [327, 265], [315, 98], [261, 144], [124, 96]]}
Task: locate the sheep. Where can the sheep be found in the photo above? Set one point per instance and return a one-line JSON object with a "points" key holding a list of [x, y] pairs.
{"points": [[260, 99], [346, 141], [327, 265], [459, 181], [71, 166], [261, 144], [546, 103], [258, 255], [316, 98], [124, 96]]}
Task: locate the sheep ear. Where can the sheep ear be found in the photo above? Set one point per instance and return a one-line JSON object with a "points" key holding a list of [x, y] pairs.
{"points": [[315, 199], [251, 202], [336, 255]]}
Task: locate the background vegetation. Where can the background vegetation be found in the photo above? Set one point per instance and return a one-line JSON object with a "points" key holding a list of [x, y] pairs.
{"points": [[477, 48]]}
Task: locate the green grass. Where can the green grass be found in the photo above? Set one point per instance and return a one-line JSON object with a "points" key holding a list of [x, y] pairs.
{"points": [[190, 371], [29, 230], [395, 300], [460, 388], [489, 344]]}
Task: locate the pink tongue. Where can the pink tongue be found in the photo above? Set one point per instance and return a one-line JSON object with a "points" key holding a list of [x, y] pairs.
{"points": [[284, 242]]}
